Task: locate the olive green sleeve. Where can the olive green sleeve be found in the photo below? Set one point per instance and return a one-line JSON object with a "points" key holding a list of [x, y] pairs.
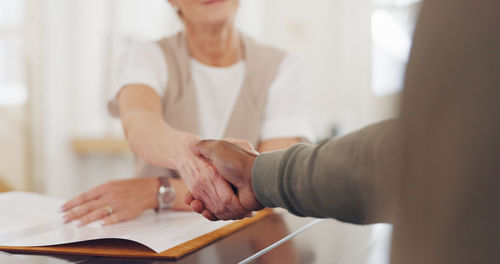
{"points": [[350, 178]]}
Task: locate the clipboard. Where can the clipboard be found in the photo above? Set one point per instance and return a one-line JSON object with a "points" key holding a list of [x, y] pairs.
{"points": [[129, 249]]}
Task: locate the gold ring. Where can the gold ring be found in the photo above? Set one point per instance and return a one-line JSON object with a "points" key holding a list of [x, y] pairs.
{"points": [[109, 209]]}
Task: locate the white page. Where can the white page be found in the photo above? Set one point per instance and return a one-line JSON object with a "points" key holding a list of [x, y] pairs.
{"points": [[29, 219]]}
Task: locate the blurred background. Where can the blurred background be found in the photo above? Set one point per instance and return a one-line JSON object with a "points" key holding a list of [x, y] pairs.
{"points": [[57, 63]]}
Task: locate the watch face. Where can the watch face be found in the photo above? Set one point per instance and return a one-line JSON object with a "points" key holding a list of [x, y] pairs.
{"points": [[167, 197]]}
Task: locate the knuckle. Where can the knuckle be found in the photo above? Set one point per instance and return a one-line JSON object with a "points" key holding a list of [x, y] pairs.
{"points": [[82, 210]]}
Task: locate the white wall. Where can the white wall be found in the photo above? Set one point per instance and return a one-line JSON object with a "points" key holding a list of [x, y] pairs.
{"points": [[71, 63], [13, 147], [332, 38]]}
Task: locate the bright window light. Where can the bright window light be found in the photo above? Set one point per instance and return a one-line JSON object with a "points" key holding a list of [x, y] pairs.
{"points": [[11, 95], [11, 13], [391, 29], [13, 90], [395, 3], [389, 34]]}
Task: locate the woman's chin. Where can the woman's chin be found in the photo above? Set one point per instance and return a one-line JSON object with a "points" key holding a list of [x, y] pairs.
{"points": [[219, 13], [218, 21]]}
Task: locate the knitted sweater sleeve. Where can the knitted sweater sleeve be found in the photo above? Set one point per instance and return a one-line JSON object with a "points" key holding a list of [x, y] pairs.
{"points": [[350, 178]]}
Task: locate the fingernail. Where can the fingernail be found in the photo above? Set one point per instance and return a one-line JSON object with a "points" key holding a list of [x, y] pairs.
{"points": [[78, 222]]}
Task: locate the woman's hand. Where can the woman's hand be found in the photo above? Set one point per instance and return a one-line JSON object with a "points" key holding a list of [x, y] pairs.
{"points": [[113, 202], [204, 182]]}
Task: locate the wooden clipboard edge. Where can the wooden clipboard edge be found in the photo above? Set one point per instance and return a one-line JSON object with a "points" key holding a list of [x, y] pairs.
{"points": [[204, 240], [171, 253]]}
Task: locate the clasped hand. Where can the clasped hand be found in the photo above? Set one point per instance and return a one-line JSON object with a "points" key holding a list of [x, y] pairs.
{"points": [[232, 160]]}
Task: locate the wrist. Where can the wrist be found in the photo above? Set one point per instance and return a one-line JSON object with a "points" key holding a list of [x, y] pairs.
{"points": [[248, 170], [255, 204], [180, 147], [180, 191], [155, 186]]}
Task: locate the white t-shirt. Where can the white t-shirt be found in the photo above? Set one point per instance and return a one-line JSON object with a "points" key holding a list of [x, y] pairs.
{"points": [[217, 89]]}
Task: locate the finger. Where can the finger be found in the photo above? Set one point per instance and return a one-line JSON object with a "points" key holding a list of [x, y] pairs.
{"points": [[95, 215], [115, 218], [208, 215], [208, 194], [210, 202], [237, 210], [234, 209], [82, 210], [188, 198], [80, 199], [204, 191], [221, 209], [197, 206]]}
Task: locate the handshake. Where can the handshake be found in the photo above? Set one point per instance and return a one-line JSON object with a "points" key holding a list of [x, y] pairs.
{"points": [[226, 192]]}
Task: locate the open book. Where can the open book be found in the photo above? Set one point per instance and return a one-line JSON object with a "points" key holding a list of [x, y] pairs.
{"points": [[30, 219]]}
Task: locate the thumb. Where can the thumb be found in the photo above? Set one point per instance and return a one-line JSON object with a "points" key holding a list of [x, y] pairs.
{"points": [[202, 148], [245, 144]]}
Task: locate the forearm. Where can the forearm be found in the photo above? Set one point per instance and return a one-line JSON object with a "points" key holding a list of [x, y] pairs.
{"points": [[148, 135], [151, 138], [349, 178]]}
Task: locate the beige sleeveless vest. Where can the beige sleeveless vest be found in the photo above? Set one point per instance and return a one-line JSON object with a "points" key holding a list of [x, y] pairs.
{"points": [[180, 103]]}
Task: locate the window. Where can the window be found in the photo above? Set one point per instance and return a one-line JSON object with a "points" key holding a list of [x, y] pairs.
{"points": [[13, 90], [393, 22]]}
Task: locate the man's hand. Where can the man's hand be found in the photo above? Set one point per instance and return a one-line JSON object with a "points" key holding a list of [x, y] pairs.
{"points": [[234, 164]]}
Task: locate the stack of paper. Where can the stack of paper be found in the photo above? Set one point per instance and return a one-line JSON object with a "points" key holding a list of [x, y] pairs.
{"points": [[30, 219]]}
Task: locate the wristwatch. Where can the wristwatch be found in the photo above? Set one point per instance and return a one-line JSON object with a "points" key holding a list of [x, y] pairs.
{"points": [[166, 194]]}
